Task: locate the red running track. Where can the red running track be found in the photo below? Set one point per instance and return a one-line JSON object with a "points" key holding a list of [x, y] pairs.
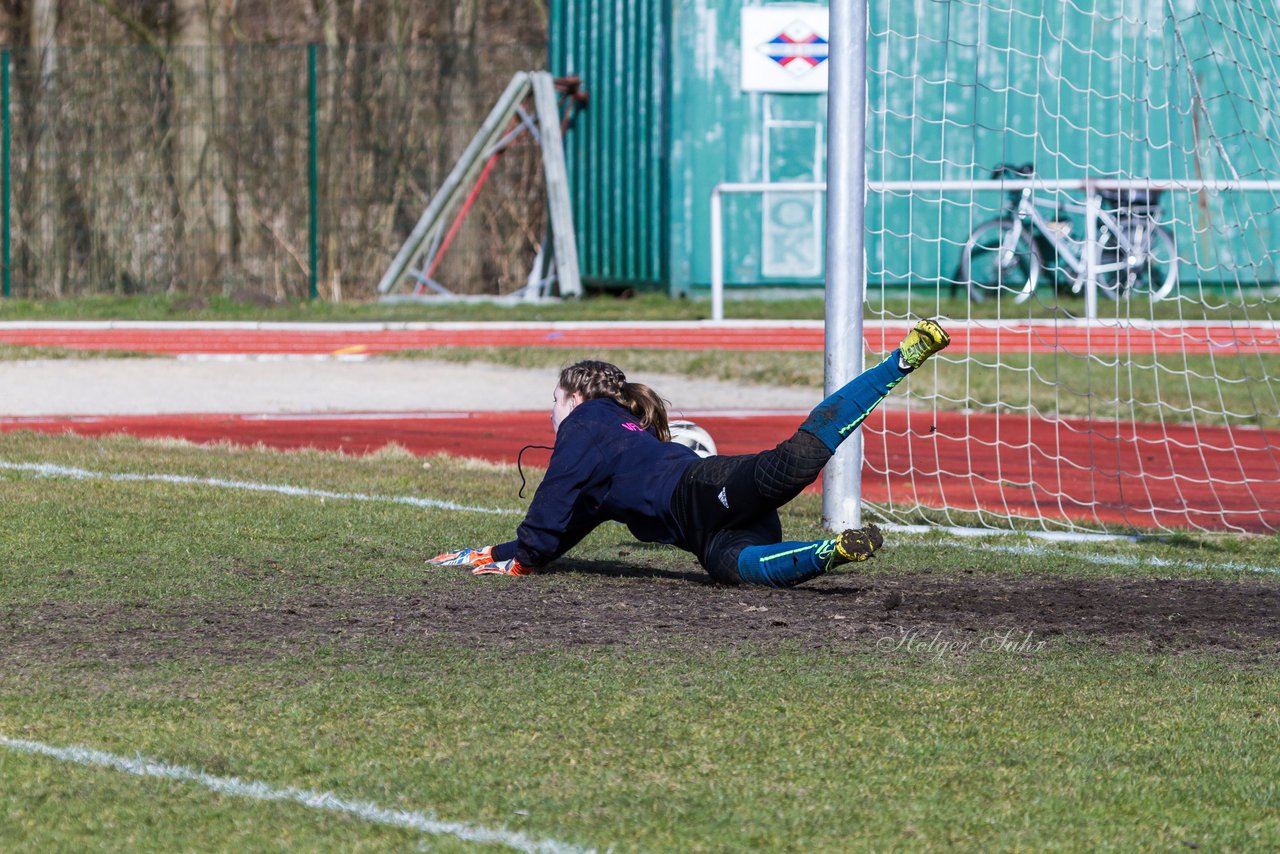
{"points": [[1082, 470], [371, 339]]}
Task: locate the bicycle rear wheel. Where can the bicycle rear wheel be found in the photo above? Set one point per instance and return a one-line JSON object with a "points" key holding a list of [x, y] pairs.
{"points": [[996, 262]]}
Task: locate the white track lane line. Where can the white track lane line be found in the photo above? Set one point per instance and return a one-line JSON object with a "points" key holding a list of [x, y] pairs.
{"points": [[49, 470], [958, 535], [421, 822]]}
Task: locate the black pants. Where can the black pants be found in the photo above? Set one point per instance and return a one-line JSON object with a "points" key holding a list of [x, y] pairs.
{"points": [[725, 504]]}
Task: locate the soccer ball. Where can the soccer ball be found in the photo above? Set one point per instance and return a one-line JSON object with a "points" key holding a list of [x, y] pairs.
{"points": [[692, 436]]}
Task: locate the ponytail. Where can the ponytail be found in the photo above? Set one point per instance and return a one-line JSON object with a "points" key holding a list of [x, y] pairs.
{"points": [[593, 379], [649, 409]]}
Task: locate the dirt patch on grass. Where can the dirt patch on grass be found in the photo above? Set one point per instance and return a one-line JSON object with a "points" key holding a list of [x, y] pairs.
{"points": [[916, 614]]}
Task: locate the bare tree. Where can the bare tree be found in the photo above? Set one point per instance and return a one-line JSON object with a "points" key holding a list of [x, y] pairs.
{"points": [[160, 144], [198, 65], [33, 32]]}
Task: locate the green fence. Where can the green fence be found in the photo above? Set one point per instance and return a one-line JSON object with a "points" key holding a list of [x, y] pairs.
{"points": [[279, 171]]}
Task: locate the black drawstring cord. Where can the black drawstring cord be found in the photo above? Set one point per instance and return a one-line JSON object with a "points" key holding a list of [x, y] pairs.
{"points": [[521, 470]]}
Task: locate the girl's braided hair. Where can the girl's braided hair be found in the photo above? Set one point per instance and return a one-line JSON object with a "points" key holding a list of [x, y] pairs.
{"points": [[593, 379]]}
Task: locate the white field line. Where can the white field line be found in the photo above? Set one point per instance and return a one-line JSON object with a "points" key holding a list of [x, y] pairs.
{"points": [[1112, 560], [958, 535], [1052, 536], [410, 820], [49, 470]]}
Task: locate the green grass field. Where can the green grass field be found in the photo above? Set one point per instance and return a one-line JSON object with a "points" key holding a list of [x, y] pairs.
{"points": [[993, 694]]}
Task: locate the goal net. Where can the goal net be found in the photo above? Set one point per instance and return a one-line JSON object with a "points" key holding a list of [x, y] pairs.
{"points": [[1089, 196]]}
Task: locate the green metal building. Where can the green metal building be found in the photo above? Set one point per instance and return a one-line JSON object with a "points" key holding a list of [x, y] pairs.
{"points": [[667, 122], [1102, 89]]}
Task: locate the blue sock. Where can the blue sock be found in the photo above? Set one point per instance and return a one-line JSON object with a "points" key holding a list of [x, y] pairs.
{"points": [[784, 564], [839, 415]]}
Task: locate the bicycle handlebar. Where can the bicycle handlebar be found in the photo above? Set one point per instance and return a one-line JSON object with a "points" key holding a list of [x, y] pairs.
{"points": [[1020, 170]]}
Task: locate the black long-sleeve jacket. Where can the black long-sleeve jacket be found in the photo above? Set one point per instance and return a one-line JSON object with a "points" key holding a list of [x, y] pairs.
{"points": [[605, 467]]}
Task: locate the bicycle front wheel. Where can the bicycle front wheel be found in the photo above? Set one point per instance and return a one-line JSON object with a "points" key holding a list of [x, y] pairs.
{"points": [[1149, 255], [998, 260]]}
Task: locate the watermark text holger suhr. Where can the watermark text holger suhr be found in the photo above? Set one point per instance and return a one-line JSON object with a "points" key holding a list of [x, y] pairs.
{"points": [[923, 642]]}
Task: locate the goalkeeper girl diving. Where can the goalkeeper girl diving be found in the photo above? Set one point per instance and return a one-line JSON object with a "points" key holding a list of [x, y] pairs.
{"points": [[612, 462]]}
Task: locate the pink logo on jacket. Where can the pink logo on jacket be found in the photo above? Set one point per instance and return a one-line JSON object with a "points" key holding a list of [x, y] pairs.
{"points": [[633, 427]]}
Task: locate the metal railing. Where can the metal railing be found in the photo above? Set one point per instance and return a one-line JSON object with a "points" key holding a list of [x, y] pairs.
{"points": [[1090, 187]]}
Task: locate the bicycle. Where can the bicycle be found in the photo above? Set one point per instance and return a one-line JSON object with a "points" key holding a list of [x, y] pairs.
{"points": [[1132, 252]]}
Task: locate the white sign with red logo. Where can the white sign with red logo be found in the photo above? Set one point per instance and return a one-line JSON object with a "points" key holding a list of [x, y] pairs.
{"points": [[784, 49]]}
